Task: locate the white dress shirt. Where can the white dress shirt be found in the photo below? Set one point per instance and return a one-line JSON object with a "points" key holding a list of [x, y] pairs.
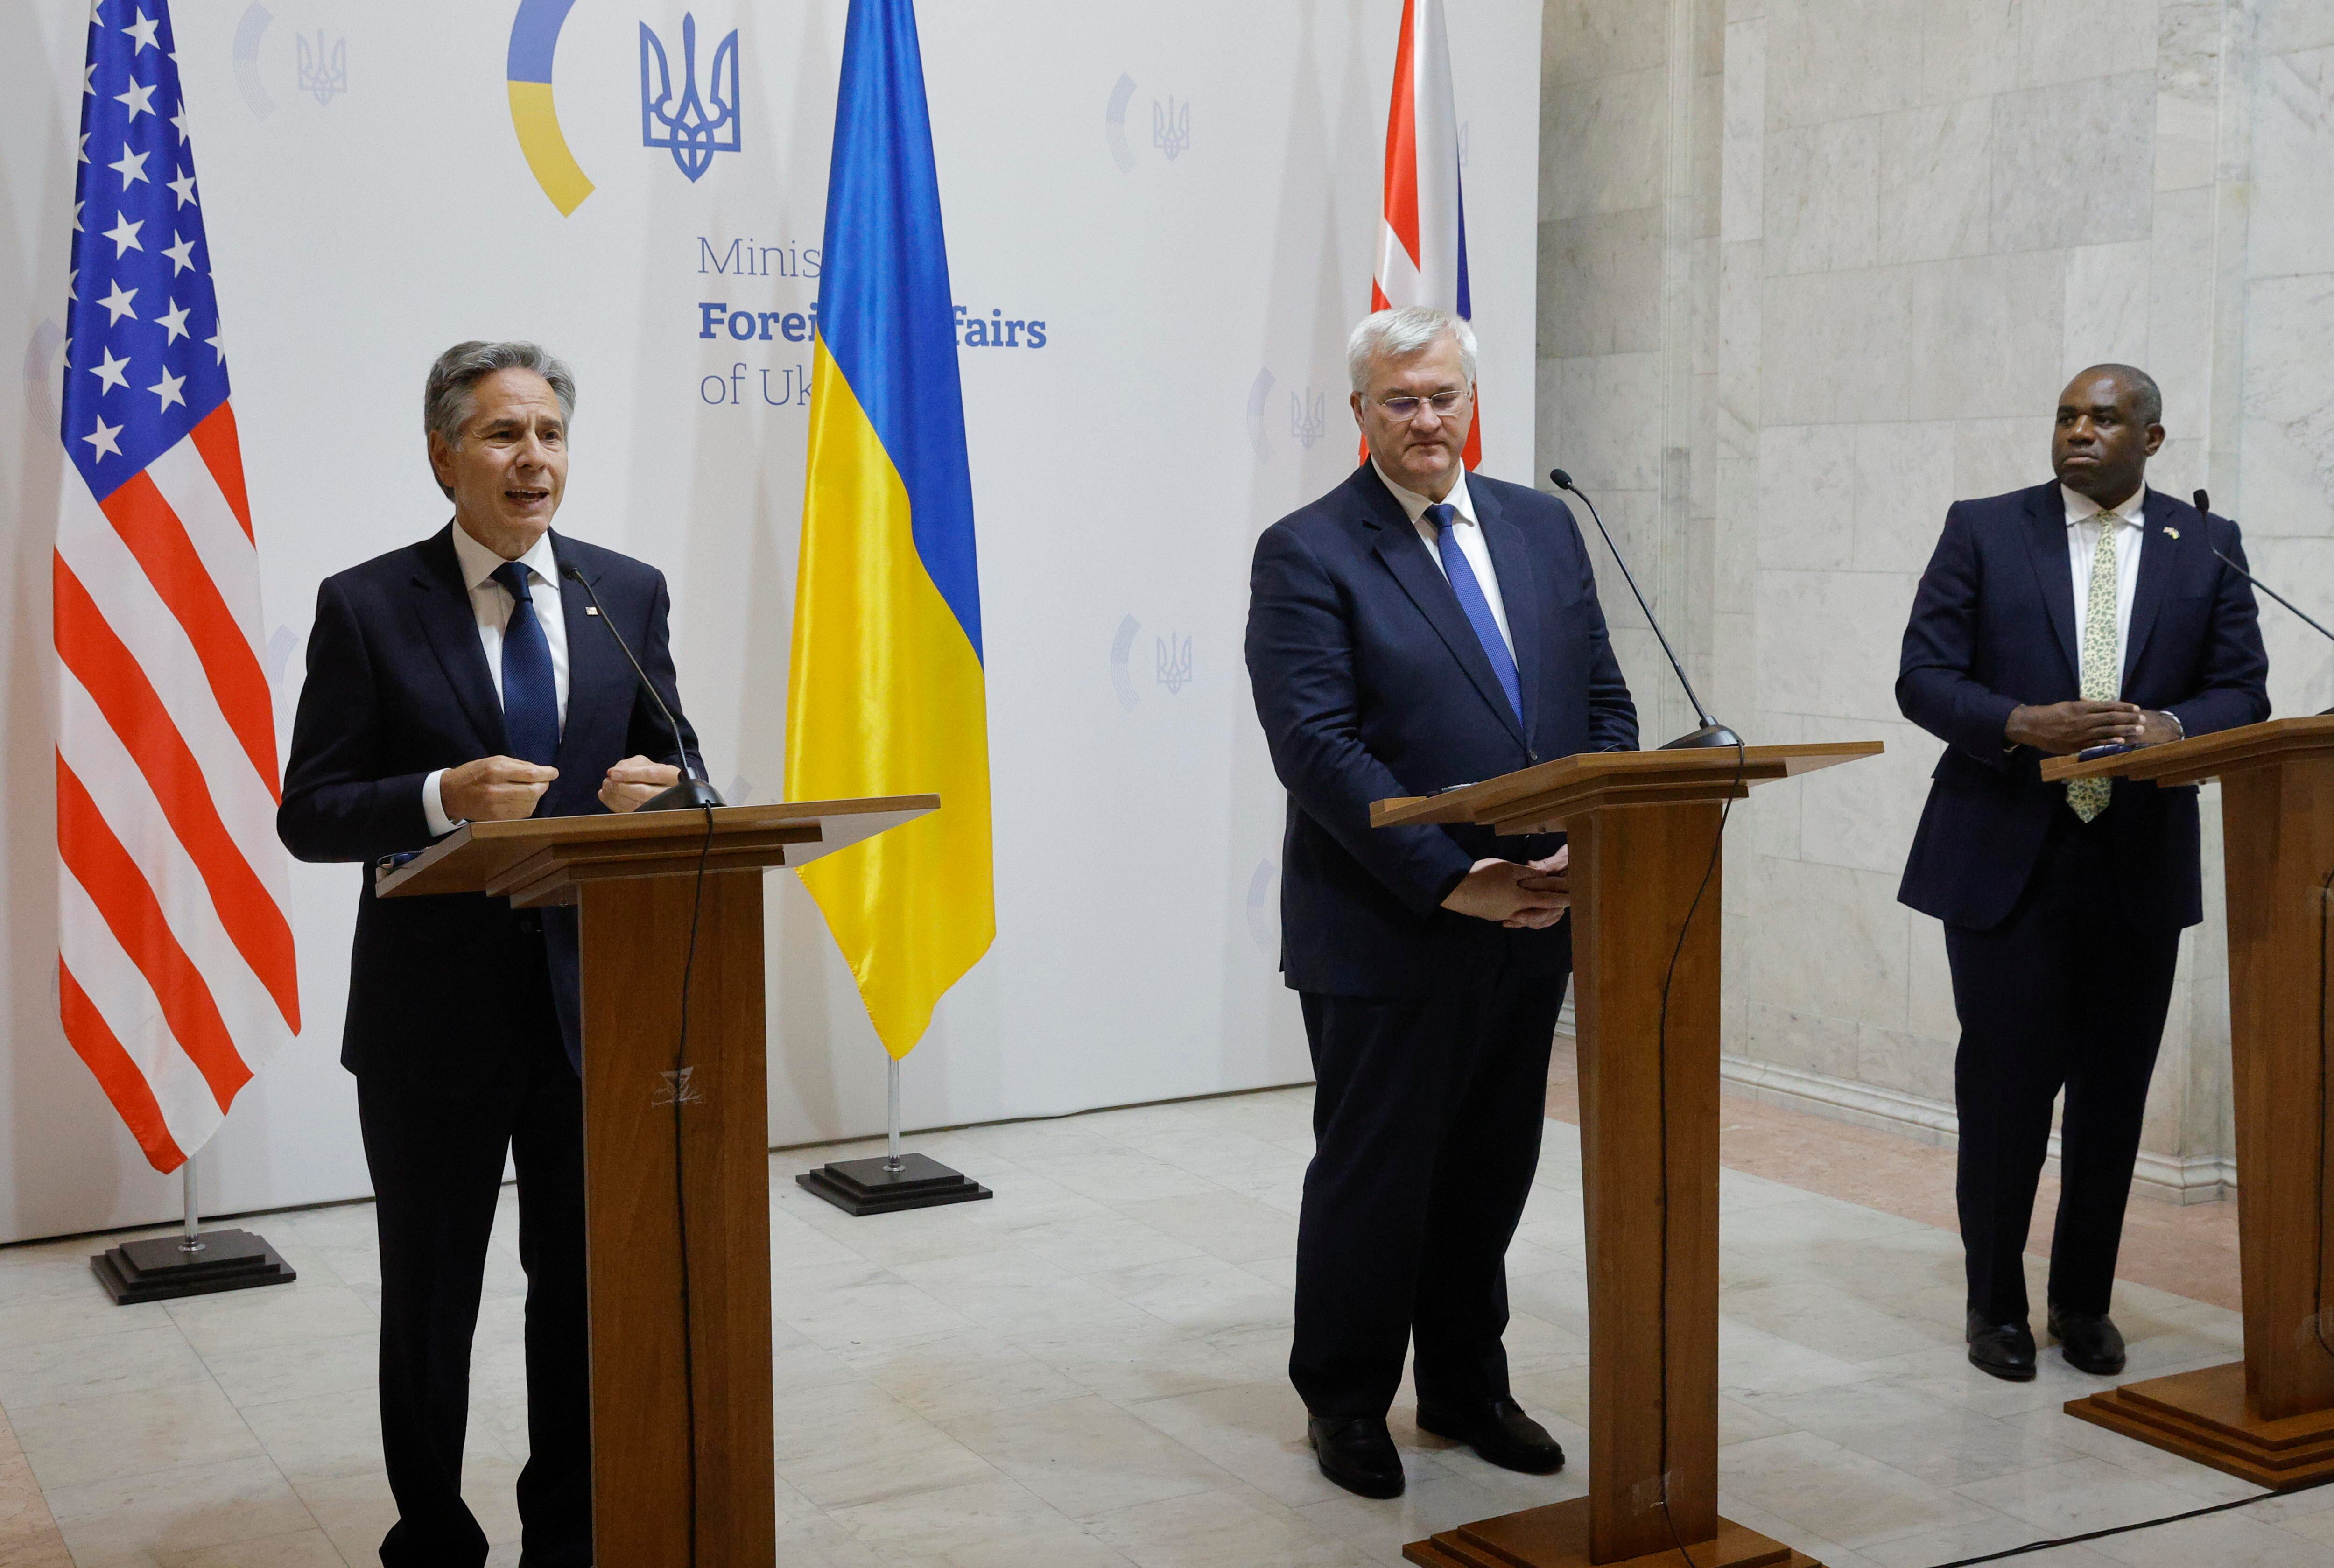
{"points": [[2083, 542], [1471, 544], [491, 605]]}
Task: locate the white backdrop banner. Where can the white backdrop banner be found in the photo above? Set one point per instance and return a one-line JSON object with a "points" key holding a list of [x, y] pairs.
{"points": [[1160, 222]]}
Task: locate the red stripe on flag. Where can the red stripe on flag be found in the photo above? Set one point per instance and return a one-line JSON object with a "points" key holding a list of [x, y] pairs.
{"points": [[99, 863], [158, 540], [222, 454], [92, 1040], [1401, 145], [134, 709]]}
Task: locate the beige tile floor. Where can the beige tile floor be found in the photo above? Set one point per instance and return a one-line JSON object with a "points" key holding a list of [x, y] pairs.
{"points": [[1087, 1372]]}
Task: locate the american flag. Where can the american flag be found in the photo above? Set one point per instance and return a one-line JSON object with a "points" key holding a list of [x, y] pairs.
{"points": [[175, 967], [1423, 232]]}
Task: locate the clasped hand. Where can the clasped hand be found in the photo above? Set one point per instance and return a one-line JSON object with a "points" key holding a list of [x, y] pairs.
{"points": [[2062, 728], [497, 789], [1521, 895]]}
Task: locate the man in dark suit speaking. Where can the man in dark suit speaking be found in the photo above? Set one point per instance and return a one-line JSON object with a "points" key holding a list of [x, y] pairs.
{"points": [[463, 677], [2085, 612], [1417, 628]]}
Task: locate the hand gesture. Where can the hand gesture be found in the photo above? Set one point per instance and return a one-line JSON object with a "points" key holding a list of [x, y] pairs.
{"points": [[634, 781], [494, 789], [2062, 728], [1495, 890]]}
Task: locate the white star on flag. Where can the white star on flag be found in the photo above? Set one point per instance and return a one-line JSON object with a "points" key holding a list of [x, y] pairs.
{"points": [[174, 321], [142, 30], [84, 147], [217, 347], [140, 100], [183, 187], [131, 166], [181, 252], [167, 389], [102, 439], [109, 370], [118, 303], [178, 120], [124, 234]]}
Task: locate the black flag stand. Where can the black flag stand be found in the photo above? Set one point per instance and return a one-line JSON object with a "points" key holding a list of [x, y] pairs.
{"points": [[890, 1181], [195, 1262]]}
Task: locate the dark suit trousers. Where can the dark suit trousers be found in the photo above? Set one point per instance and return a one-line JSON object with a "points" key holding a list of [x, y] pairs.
{"points": [[436, 1153], [1426, 1127], [2070, 991]]}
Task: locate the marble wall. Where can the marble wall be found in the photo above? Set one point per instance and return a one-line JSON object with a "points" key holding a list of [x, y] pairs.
{"points": [[1811, 269]]}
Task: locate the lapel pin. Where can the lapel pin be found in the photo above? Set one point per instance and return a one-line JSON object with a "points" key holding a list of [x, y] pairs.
{"points": [[595, 610], [2170, 533]]}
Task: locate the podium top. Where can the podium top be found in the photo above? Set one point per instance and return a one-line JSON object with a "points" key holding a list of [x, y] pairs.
{"points": [[2205, 756], [494, 857], [1537, 799]]}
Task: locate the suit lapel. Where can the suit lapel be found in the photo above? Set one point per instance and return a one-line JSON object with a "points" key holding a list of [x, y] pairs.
{"points": [[1518, 595], [442, 605], [2159, 562], [1397, 543], [597, 675], [2046, 539]]}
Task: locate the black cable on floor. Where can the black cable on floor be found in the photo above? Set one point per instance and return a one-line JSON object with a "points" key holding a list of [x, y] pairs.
{"points": [[680, 1095], [2120, 1529]]}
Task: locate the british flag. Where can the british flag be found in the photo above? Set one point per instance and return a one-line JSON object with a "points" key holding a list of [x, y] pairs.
{"points": [[174, 964], [1423, 232]]}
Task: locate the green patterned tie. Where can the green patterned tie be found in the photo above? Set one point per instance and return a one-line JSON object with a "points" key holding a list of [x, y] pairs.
{"points": [[2102, 677]]}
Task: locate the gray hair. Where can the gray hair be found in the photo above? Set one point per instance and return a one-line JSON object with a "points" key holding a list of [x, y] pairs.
{"points": [[2149, 404], [448, 399], [1398, 335]]}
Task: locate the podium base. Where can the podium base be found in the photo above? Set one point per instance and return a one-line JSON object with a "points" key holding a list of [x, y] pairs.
{"points": [[157, 1269], [864, 1187], [2203, 1415], [1557, 1537]]}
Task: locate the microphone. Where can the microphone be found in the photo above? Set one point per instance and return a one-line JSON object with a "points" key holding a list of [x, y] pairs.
{"points": [[1711, 732], [2205, 503], [693, 790]]}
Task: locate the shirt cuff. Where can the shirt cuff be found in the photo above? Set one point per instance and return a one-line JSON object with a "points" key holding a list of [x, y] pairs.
{"points": [[433, 807]]}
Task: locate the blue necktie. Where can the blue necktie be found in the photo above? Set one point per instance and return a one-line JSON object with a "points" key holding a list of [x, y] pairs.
{"points": [[1471, 601], [530, 694]]}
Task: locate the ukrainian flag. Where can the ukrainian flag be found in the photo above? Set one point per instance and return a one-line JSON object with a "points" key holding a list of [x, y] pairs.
{"points": [[885, 695]]}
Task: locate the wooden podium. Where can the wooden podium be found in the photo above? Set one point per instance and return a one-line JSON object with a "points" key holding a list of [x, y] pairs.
{"points": [[648, 1115], [1643, 826], [2270, 1418]]}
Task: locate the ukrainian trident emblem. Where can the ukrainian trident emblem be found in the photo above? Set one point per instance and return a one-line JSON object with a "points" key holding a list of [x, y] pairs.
{"points": [[1171, 127], [324, 72], [1309, 419], [686, 128]]}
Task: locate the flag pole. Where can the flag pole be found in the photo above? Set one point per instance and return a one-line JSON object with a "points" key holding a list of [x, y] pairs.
{"points": [[192, 1241], [892, 1160]]}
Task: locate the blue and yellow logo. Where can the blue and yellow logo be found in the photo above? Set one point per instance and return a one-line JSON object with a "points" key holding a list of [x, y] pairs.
{"points": [[534, 36]]}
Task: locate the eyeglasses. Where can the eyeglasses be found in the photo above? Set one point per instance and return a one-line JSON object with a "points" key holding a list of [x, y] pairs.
{"points": [[1403, 409]]}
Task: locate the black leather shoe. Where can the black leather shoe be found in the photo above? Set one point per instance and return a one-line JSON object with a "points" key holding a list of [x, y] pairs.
{"points": [[1500, 1431], [1356, 1452], [2089, 1340], [2005, 1350]]}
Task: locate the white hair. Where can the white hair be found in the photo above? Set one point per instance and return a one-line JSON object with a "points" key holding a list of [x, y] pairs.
{"points": [[1398, 335], [449, 397]]}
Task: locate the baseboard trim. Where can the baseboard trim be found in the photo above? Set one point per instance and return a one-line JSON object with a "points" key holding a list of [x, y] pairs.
{"points": [[2206, 1178]]}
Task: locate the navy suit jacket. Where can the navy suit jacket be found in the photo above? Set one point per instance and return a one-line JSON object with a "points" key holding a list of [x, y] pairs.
{"points": [[398, 688], [1994, 628], [1371, 682]]}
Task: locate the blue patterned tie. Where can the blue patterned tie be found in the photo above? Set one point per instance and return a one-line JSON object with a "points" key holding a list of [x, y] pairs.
{"points": [[530, 694], [1471, 601]]}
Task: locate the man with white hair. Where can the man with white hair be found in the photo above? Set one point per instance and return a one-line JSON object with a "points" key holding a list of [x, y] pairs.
{"points": [[471, 676], [1417, 628]]}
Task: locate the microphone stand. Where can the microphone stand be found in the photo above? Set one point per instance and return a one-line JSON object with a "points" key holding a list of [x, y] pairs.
{"points": [[2204, 503], [1712, 733], [694, 792]]}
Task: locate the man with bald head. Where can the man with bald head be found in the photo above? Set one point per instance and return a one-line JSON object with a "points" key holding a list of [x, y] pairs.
{"points": [[1419, 627], [2088, 611]]}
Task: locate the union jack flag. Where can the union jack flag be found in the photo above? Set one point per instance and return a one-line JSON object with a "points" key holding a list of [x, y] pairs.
{"points": [[175, 966], [1423, 232]]}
